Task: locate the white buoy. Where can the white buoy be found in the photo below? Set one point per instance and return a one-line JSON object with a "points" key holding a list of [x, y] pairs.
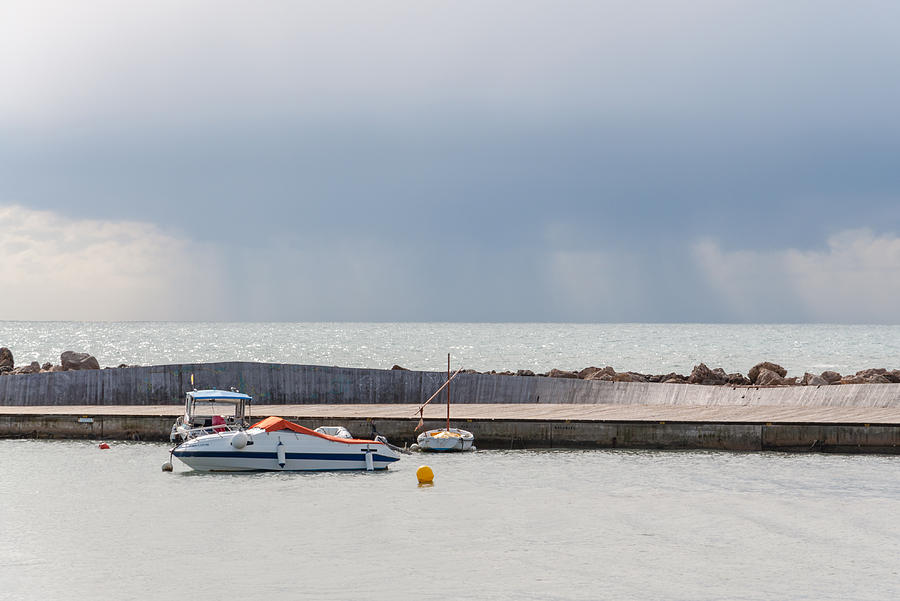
{"points": [[279, 451], [370, 463]]}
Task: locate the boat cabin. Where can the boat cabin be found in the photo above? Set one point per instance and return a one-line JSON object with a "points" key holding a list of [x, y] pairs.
{"points": [[209, 411]]}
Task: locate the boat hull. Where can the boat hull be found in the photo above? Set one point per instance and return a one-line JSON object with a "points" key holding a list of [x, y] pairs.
{"points": [[281, 451]]}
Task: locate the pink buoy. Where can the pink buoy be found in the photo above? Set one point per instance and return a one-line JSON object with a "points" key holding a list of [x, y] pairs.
{"points": [[103, 445]]}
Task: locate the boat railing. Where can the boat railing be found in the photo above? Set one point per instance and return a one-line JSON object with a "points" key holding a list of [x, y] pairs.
{"points": [[217, 429]]}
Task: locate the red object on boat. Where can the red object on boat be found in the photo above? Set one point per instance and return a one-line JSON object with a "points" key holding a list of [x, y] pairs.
{"points": [[218, 420], [103, 445]]}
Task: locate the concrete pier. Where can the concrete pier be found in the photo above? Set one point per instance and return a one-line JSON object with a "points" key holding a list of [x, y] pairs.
{"points": [[506, 426], [502, 411]]}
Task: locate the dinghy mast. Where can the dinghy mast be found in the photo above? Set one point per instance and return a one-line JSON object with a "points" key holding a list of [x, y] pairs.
{"points": [[448, 392], [434, 396]]}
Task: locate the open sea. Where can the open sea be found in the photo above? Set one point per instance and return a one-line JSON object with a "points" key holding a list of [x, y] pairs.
{"points": [[646, 348], [79, 523]]}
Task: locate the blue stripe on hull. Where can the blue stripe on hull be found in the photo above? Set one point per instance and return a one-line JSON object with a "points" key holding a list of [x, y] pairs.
{"points": [[308, 456], [305, 469]]}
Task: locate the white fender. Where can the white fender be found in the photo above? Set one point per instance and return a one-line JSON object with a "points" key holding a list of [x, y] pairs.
{"points": [[370, 463], [239, 440], [279, 451]]}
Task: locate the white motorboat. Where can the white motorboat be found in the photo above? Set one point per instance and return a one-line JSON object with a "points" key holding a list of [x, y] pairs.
{"points": [[227, 443], [446, 439], [275, 444]]}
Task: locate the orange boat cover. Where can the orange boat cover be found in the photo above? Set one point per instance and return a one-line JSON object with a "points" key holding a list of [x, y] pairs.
{"points": [[274, 424]]}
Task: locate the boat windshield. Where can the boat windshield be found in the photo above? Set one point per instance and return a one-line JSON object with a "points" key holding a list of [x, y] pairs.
{"points": [[209, 408], [202, 407]]}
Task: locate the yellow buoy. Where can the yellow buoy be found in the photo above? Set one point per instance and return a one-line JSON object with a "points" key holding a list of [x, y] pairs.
{"points": [[425, 475]]}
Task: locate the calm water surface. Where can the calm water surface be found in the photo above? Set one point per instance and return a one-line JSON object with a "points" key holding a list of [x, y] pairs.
{"points": [[83, 524]]}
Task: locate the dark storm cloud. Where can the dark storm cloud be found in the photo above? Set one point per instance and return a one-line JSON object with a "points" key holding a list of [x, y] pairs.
{"points": [[567, 160]]}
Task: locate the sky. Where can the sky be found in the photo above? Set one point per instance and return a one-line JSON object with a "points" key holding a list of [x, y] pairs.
{"points": [[633, 161]]}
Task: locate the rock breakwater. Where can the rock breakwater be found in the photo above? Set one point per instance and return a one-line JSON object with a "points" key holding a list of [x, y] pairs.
{"points": [[764, 373], [68, 361]]}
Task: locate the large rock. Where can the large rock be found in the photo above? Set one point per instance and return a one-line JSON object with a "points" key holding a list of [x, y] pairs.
{"points": [[877, 375], [701, 374], [868, 373], [71, 360], [767, 377], [607, 373], [754, 371], [877, 379], [33, 368], [671, 378], [831, 377], [558, 373], [737, 380], [6, 358], [588, 371], [525, 372], [814, 380]]}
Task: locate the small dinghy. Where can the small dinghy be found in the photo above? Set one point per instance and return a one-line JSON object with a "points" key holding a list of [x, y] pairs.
{"points": [[444, 439]]}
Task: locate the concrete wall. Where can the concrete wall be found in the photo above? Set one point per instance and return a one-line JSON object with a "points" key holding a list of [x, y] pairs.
{"points": [[272, 383], [517, 434], [112, 427]]}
